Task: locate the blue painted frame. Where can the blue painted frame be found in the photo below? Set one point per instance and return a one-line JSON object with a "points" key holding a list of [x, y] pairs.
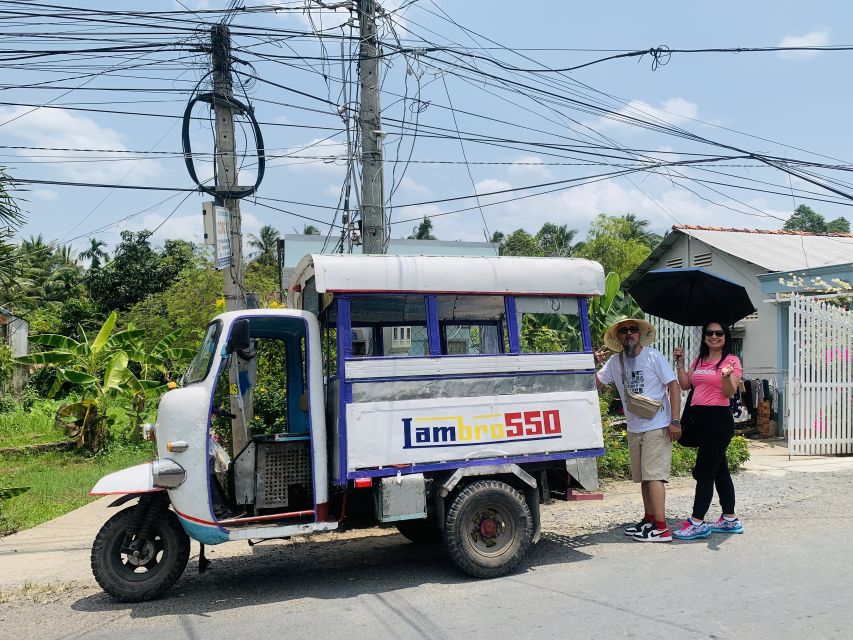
{"points": [[462, 464], [512, 324], [344, 351]]}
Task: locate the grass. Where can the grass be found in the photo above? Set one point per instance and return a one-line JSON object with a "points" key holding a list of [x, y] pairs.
{"points": [[58, 481], [20, 427]]}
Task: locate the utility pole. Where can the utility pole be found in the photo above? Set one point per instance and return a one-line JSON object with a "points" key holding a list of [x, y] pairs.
{"points": [[372, 180], [226, 180]]}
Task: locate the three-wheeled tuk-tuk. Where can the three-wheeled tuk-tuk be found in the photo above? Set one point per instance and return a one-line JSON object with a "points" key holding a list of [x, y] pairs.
{"points": [[448, 396]]}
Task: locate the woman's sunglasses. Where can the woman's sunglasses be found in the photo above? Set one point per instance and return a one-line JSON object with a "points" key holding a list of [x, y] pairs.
{"points": [[715, 332]]}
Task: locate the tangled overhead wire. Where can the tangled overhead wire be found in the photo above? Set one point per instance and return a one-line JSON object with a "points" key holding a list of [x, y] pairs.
{"points": [[212, 99]]}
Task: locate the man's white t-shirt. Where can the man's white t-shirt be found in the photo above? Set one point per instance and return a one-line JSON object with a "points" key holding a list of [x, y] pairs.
{"points": [[648, 374]]}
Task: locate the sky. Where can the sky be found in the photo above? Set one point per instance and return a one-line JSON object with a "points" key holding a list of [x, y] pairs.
{"points": [[790, 105]]}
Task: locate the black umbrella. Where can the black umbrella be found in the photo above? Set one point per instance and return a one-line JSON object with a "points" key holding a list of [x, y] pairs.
{"points": [[691, 297]]}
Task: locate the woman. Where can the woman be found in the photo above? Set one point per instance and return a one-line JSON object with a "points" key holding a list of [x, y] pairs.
{"points": [[714, 375]]}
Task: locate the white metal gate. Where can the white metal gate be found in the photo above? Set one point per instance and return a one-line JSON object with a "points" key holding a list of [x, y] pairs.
{"points": [[669, 335], [820, 384]]}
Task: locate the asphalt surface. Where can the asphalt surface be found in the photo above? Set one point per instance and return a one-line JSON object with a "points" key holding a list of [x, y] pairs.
{"points": [[787, 576]]}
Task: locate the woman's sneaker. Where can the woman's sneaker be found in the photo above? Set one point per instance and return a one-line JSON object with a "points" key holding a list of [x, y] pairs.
{"points": [[724, 525], [633, 529], [690, 531]]}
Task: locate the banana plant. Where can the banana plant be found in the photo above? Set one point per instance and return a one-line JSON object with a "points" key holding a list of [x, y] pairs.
{"points": [[606, 309], [99, 369], [163, 358]]}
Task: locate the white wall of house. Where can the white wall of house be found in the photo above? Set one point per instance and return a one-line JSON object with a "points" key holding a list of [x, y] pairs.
{"points": [[759, 334]]}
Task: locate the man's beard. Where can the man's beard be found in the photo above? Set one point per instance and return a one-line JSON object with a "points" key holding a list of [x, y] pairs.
{"points": [[630, 350]]}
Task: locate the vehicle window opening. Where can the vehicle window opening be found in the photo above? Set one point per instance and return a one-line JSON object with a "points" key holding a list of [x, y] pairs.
{"points": [[549, 324], [472, 325]]}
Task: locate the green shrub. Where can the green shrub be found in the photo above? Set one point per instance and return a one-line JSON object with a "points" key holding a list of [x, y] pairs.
{"points": [[20, 427], [616, 461]]}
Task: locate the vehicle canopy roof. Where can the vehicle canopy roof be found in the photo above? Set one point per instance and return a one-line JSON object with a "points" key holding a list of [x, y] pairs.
{"points": [[501, 275]]}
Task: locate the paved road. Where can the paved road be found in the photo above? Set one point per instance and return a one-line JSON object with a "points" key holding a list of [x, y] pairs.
{"points": [[787, 577]]}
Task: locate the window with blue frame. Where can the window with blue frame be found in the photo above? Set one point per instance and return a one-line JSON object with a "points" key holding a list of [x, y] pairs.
{"points": [[549, 324], [388, 325], [472, 325]]}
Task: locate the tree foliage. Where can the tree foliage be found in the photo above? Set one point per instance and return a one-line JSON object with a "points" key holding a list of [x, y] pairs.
{"points": [[612, 242], [423, 231], [265, 244], [807, 219], [138, 270]]}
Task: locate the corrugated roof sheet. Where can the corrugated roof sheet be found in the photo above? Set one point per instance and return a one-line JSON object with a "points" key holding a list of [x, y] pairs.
{"points": [[777, 250]]}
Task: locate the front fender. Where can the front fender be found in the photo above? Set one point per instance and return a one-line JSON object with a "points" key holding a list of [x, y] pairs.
{"points": [[138, 479]]}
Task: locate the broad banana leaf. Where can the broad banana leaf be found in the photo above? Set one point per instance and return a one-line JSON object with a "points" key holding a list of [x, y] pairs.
{"points": [[53, 340], [77, 377], [104, 333], [47, 357], [115, 372]]}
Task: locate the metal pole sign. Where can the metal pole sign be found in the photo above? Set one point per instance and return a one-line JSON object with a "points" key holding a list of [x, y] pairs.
{"points": [[222, 247]]}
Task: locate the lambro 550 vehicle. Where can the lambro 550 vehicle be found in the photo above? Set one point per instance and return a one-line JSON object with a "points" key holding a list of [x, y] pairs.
{"points": [[449, 396]]}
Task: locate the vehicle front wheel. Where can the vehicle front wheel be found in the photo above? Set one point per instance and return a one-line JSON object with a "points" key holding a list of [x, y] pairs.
{"points": [[133, 569], [488, 529]]}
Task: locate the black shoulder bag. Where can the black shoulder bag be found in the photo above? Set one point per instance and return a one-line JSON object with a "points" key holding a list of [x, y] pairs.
{"points": [[689, 430]]}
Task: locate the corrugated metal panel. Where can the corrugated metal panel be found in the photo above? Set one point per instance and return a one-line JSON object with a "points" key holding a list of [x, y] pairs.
{"points": [[778, 252]]}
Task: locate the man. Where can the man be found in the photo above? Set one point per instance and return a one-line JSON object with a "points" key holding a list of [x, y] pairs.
{"points": [[649, 439]]}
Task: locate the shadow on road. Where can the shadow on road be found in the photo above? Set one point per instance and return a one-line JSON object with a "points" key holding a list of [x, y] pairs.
{"points": [[336, 569]]}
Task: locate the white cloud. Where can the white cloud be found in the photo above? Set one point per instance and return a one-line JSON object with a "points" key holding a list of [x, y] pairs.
{"points": [[811, 39], [577, 207], [408, 185], [186, 226], [673, 111], [530, 166], [61, 129]]}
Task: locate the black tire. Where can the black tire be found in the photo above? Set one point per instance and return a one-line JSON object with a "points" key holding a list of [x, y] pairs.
{"points": [[488, 529], [424, 531], [137, 579]]}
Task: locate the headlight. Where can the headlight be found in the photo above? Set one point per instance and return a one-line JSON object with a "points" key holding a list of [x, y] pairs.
{"points": [[167, 473]]}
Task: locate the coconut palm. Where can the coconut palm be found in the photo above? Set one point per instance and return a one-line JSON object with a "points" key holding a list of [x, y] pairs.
{"points": [[265, 244], [637, 229], [10, 213], [310, 230], [556, 240], [94, 253]]}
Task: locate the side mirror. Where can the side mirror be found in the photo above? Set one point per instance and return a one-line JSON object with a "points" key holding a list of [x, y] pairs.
{"points": [[239, 338]]}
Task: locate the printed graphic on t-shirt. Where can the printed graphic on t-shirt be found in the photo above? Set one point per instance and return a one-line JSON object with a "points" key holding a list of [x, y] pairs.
{"points": [[636, 382]]}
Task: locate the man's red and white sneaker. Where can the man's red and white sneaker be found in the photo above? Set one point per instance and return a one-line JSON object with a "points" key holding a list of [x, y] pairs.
{"points": [[653, 534], [633, 529]]}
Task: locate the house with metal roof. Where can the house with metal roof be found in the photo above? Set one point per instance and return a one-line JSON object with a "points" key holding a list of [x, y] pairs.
{"points": [[770, 264]]}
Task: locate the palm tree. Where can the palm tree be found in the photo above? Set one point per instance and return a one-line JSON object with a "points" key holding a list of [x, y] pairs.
{"points": [[10, 213], [265, 244], [637, 229], [94, 253], [556, 240], [310, 230]]}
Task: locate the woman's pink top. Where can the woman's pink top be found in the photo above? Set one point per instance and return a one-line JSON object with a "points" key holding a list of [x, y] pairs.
{"points": [[707, 381]]}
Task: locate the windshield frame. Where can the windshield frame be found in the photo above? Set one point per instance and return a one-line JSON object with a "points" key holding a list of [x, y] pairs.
{"points": [[206, 349]]}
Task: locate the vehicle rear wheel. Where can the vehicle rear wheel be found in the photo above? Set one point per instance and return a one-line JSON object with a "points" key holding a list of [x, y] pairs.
{"points": [[488, 529], [132, 568], [424, 531]]}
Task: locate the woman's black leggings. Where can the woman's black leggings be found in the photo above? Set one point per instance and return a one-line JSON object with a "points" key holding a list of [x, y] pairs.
{"points": [[716, 428]]}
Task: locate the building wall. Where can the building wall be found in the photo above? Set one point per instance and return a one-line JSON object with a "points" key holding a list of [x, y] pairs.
{"points": [[759, 335]]}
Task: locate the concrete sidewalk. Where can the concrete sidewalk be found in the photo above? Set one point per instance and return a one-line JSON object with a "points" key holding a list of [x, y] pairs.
{"points": [[57, 552]]}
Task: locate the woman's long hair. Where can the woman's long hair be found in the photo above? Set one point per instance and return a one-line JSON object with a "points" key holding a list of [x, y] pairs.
{"points": [[704, 351]]}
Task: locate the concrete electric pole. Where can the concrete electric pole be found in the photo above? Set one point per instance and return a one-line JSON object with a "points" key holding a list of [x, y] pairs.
{"points": [[226, 180], [372, 181]]}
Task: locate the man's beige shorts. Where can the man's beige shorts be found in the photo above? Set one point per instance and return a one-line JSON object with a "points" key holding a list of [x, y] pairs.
{"points": [[651, 455]]}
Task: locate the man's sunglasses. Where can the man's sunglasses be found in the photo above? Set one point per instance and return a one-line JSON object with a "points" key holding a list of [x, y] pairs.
{"points": [[623, 330], [715, 332]]}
